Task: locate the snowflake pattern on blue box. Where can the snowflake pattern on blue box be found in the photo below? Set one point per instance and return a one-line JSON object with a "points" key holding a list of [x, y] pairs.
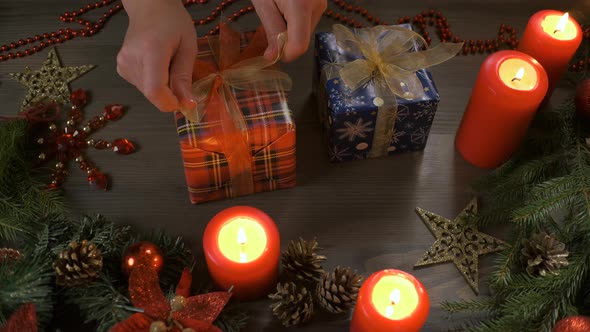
{"points": [[349, 116]]}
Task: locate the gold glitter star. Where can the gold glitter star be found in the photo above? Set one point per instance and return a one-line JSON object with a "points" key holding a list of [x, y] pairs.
{"points": [[50, 81], [458, 242]]}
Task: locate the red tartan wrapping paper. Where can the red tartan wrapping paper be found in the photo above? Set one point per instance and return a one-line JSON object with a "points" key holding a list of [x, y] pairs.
{"points": [[271, 132]]}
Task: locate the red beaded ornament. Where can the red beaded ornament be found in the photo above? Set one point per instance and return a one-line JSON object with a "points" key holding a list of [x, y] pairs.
{"points": [[70, 142]]}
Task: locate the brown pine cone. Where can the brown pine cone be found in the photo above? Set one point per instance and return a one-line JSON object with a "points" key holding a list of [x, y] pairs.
{"points": [[293, 304], [337, 291], [301, 261], [78, 264], [544, 254]]}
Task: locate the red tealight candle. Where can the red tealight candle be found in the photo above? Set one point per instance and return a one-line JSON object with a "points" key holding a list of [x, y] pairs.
{"points": [[551, 37], [242, 250], [507, 93], [392, 301]]}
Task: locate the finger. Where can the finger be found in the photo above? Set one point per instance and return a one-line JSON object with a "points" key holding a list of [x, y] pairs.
{"points": [[181, 70], [127, 68], [154, 83], [298, 32], [317, 14], [273, 23]]}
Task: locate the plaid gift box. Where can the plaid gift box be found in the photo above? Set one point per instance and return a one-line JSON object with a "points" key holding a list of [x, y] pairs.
{"points": [[271, 132], [349, 117]]}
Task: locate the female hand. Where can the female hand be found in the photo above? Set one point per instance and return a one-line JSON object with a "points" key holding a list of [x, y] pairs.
{"points": [[159, 51], [297, 17]]}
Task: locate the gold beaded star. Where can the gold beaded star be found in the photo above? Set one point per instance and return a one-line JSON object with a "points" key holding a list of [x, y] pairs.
{"points": [[50, 81], [458, 242]]}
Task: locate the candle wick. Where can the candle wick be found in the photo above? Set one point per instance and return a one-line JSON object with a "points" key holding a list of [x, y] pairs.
{"points": [[516, 79], [556, 31]]}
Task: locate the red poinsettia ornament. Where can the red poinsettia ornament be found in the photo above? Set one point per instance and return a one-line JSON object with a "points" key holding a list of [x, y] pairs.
{"points": [[23, 319], [182, 313]]}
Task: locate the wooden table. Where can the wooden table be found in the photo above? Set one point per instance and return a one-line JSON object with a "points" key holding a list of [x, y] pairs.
{"points": [[362, 213]]}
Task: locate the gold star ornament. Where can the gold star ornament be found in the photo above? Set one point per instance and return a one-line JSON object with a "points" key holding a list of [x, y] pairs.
{"points": [[458, 242], [50, 82]]}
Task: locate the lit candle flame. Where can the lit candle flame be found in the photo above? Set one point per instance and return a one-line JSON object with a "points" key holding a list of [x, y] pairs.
{"points": [[394, 297], [562, 23], [242, 241], [519, 75]]}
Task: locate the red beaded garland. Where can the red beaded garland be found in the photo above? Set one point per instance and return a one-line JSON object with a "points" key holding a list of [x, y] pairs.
{"points": [[506, 38]]}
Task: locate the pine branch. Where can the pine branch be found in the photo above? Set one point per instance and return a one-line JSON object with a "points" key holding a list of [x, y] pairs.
{"points": [[100, 302], [28, 280]]}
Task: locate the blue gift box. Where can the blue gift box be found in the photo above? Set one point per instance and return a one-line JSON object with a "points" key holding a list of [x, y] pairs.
{"points": [[349, 117]]}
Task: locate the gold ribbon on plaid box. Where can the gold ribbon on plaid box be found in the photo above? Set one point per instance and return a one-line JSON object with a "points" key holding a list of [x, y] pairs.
{"points": [[386, 57], [246, 70]]}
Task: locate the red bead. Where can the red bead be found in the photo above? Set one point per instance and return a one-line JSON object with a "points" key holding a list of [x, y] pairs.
{"points": [[369, 17], [29, 40], [98, 180], [250, 8], [28, 52], [21, 42], [359, 25], [75, 114], [242, 10], [45, 35], [337, 16], [79, 98], [349, 8], [42, 44], [364, 12], [101, 144], [52, 186], [123, 146], [12, 45], [4, 48], [2, 58], [19, 54], [37, 37]]}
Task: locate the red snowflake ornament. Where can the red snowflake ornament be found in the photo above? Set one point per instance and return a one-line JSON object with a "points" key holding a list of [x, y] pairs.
{"points": [[183, 312], [71, 141]]}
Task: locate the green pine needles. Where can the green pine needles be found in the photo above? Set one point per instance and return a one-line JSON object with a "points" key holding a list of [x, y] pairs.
{"points": [[544, 187], [34, 221], [23, 198]]}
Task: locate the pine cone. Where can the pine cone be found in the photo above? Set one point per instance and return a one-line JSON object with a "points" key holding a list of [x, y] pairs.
{"points": [[544, 254], [293, 304], [337, 291], [77, 264], [302, 262]]}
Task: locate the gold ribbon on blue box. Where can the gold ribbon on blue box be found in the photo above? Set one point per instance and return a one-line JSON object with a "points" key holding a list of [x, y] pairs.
{"points": [[388, 57]]}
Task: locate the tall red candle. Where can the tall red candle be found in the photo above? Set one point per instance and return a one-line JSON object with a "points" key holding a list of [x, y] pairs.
{"points": [[242, 251], [508, 91], [551, 37], [392, 301]]}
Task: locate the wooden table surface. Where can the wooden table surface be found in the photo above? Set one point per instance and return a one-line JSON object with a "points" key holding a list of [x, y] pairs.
{"points": [[361, 212]]}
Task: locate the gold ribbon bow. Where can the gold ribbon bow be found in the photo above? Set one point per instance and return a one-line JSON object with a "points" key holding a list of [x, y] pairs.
{"points": [[387, 58], [217, 106]]}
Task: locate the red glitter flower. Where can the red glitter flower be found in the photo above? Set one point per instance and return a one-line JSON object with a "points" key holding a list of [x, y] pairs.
{"points": [[195, 312]]}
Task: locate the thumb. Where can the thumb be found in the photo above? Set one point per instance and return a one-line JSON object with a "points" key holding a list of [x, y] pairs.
{"points": [[273, 23], [181, 71]]}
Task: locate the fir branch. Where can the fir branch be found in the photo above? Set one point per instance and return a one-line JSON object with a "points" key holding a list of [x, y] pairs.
{"points": [[486, 305], [23, 198], [232, 319], [28, 280], [99, 302]]}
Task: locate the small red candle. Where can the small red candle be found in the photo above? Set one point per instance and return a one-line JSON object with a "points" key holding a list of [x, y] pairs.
{"points": [[242, 250], [551, 37], [392, 301], [507, 93]]}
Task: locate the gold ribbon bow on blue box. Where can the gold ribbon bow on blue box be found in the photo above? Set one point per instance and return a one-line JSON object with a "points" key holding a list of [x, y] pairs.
{"points": [[387, 57]]}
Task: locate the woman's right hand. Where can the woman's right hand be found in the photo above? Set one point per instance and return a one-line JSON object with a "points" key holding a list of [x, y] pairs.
{"points": [[158, 52]]}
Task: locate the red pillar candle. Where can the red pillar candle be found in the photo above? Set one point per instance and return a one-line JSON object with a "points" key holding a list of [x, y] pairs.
{"points": [[242, 250], [392, 301], [508, 91], [551, 37]]}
